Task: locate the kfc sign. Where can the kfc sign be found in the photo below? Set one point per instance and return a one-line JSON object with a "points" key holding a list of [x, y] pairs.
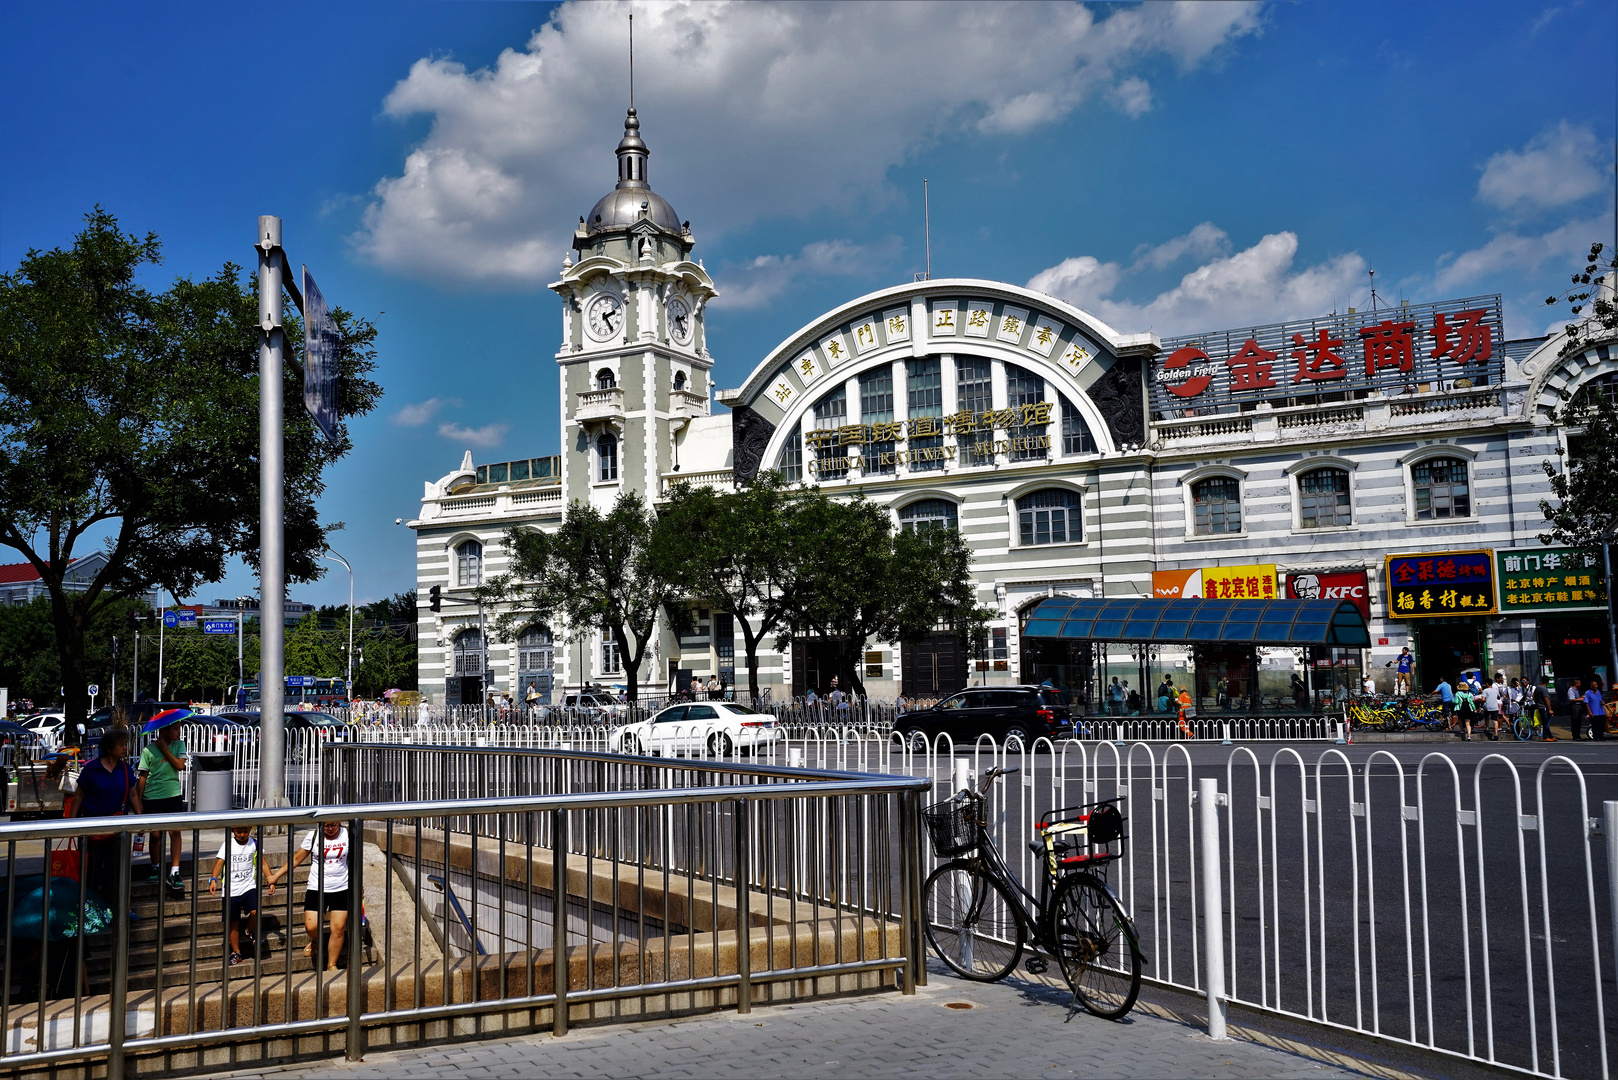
{"points": [[1350, 585]]}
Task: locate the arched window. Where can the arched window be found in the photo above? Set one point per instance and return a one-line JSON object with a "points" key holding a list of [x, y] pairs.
{"points": [[1323, 499], [1023, 387], [1076, 437], [831, 413], [1051, 516], [1441, 489], [605, 379], [469, 564], [1217, 505], [606, 456], [925, 514], [790, 463], [469, 652], [679, 380], [536, 661]]}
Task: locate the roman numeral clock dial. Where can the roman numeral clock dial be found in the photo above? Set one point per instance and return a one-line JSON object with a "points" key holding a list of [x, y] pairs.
{"points": [[604, 316]]}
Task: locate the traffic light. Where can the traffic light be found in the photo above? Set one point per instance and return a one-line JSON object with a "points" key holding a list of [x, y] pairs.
{"points": [[134, 623], [433, 598]]}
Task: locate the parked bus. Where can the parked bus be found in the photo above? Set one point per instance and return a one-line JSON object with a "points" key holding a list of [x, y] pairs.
{"points": [[302, 691]]}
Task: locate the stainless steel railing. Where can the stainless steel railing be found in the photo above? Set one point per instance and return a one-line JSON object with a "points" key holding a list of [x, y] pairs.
{"points": [[584, 879]]}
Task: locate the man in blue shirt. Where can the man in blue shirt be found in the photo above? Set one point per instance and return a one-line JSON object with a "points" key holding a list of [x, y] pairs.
{"points": [[1595, 710], [1402, 666], [1446, 695]]}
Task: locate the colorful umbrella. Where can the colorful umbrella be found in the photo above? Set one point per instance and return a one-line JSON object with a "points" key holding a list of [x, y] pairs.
{"points": [[63, 919], [167, 717]]}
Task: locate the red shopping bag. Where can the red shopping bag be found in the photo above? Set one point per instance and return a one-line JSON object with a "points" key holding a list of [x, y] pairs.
{"points": [[65, 859]]}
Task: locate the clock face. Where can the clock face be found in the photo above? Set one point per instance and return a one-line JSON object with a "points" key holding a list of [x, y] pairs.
{"points": [[680, 320], [604, 316]]}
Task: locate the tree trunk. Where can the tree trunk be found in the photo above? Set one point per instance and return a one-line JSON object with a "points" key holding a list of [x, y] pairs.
{"points": [[75, 677], [631, 663], [750, 642], [849, 653]]}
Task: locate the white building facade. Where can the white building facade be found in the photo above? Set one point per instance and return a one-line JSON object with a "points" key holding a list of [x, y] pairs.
{"points": [[1075, 459]]}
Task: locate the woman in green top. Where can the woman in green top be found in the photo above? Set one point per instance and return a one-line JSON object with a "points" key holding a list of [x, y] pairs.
{"points": [[160, 766]]}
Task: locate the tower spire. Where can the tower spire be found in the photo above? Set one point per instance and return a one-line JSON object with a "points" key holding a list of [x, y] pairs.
{"points": [[631, 61]]}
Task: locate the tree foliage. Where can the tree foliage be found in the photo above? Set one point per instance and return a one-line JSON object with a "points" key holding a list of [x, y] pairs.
{"points": [[129, 420], [1593, 290]]}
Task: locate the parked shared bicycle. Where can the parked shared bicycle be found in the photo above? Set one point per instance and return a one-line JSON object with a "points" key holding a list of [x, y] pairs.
{"points": [[979, 918]]}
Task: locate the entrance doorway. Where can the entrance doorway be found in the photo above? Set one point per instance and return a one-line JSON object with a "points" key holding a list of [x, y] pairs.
{"points": [[933, 667], [1446, 648], [814, 662], [1574, 647]]}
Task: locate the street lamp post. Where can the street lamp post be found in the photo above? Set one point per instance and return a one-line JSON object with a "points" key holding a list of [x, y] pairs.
{"points": [[334, 557], [241, 666]]}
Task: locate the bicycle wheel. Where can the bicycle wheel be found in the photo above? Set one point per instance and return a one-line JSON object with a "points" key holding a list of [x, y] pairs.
{"points": [[971, 923], [1524, 727], [1096, 947]]}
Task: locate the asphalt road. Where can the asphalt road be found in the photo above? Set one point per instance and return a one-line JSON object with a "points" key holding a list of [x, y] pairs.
{"points": [[1293, 875]]}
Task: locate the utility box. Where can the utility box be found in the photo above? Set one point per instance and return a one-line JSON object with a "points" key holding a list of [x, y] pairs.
{"points": [[213, 782]]}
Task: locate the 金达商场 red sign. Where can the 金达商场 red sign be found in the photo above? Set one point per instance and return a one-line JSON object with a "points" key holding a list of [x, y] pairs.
{"points": [[1440, 583], [1393, 349]]}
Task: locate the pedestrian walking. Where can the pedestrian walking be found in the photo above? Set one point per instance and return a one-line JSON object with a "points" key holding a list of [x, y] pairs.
{"points": [[107, 787], [240, 853], [1492, 702], [328, 887], [161, 764], [1536, 698], [715, 688], [1595, 709], [1466, 706], [1165, 694], [1446, 702]]}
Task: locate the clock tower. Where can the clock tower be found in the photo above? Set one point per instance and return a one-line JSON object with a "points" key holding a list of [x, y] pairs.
{"points": [[635, 366]]}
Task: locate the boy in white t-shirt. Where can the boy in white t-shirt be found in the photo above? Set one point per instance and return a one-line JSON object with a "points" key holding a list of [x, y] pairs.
{"points": [[328, 886], [240, 850]]}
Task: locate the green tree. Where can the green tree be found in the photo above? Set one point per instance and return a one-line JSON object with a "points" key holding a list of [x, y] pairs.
{"points": [[1585, 512], [599, 571], [1593, 289], [852, 577], [30, 663], [731, 554], [132, 416], [312, 650]]}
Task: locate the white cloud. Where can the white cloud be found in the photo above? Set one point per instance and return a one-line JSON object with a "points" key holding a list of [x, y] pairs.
{"points": [[751, 110], [422, 411], [1558, 166], [482, 437], [1201, 242], [1252, 286], [1132, 96], [1518, 253], [765, 277]]}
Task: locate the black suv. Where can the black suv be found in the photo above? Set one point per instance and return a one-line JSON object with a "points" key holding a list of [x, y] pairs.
{"points": [[1006, 713]]}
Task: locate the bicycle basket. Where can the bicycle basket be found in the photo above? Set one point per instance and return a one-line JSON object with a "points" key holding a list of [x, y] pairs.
{"points": [[953, 827]]}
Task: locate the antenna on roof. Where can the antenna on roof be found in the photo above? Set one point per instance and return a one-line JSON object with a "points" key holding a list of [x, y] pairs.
{"points": [[927, 227], [631, 59], [1373, 290]]}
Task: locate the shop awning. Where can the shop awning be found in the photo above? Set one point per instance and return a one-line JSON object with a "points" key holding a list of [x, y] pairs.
{"points": [[1252, 622]]}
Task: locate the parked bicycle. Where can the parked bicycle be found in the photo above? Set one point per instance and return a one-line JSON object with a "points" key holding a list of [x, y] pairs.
{"points": [[1422, 713], [979, 917], [1381, 714]]}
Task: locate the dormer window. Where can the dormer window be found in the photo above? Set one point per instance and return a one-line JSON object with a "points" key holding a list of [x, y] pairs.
{"points": [[606, 380]]}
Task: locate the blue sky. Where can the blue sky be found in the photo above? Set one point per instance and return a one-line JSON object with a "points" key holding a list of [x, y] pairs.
{"points": [[1169, 168]]}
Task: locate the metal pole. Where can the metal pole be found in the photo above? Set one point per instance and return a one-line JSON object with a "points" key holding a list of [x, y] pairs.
{"points": [[559, 965], [1213, 930], [134, 693], [118, 993], [332, 555], [354, 1045], [744, 914], [1611, 809], [241, 666], [1612, 646], [271, 484], [162, 623]]}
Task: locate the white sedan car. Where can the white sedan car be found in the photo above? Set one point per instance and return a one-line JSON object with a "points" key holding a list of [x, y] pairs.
{"points": [[710, 728], [48, 725]]}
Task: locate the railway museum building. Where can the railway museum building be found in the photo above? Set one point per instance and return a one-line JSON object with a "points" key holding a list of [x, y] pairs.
{"points": [[1390, 458]]}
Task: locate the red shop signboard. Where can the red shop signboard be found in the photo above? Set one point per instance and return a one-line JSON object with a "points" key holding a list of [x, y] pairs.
{"points": [[1350, 585]]}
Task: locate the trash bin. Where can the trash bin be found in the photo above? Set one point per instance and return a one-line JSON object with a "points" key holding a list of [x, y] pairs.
{"points": [[213, 782]]}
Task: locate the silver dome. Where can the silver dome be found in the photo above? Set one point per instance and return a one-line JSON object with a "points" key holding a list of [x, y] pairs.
{"points": [[633, 199]]}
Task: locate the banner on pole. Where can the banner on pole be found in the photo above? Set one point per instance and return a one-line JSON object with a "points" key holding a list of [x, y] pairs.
{"points": [[320, 340]]}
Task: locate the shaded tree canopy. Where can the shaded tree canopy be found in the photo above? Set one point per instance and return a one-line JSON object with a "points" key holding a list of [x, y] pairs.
{"points": [[129, 422]]}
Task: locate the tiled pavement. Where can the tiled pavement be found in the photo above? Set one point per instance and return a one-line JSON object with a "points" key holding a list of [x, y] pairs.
{"points": [[1012, 1029]]}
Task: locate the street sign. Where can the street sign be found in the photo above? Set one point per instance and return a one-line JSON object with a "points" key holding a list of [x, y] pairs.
{"points": [[187, 617], [300, 680], [219, 626], [94, 689], [320, 341], [171, 620]]}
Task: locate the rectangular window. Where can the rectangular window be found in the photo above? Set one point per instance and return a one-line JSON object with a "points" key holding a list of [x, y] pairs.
{"points": [[1076, 437], [831, 413], [790, 463], [1025, 388], [997, 643], [497, 473], [974, 393], [519, 470], [724, 633], [924, 389], [876, 407], [1323, 499], [611, 662]]}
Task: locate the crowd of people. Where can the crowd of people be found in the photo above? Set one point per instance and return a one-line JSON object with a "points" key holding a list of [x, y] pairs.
{"points": [[1467, 700]]}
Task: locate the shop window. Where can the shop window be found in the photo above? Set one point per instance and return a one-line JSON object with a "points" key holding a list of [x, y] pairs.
{"points": [[606, 380], [924, 515], [1217, 505], [1323, 499], [790, 463], [1076, 437], [1441, 489], [606, 457], [1051, 516], [469, 565]]}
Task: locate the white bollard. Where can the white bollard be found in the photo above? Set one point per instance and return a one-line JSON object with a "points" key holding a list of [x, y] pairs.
{"points": [[963, 775], [1213, 909], [795, 757]]}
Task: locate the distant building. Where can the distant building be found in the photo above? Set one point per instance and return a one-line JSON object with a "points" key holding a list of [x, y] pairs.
{"points": [[20, 583]]}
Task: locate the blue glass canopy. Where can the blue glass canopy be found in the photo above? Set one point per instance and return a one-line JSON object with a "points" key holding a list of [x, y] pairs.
{"points": [[1252, 622]]}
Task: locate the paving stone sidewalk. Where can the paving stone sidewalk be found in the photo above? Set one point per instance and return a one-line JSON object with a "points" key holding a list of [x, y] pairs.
{"points": [[1012, 1029]]}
